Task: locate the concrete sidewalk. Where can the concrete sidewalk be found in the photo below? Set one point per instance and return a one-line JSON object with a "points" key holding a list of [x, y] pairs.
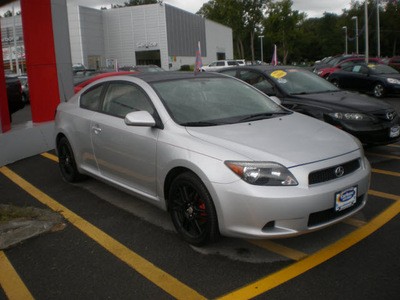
{"points": [[25, 139]]}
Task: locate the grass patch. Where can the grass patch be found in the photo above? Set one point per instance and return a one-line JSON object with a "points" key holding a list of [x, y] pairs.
{"points": [[13, 213]]}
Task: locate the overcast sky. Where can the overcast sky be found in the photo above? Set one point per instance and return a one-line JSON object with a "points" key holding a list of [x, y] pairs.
{"points": [[313, 8]]}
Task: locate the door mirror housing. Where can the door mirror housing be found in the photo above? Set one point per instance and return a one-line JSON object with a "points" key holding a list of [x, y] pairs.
{"points": [[140, 118]]}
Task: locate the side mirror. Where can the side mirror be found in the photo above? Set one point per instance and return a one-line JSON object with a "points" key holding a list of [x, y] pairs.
{"points": [[140, 118]]}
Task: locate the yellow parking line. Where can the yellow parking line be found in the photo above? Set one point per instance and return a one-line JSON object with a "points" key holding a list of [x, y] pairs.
{"points": [[279, 249], [50, 156], [383, 155], [386, 172], [157, 276], [269, 282], [11, 283]]}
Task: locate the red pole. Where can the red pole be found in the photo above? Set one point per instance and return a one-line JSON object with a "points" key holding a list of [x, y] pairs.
{"points": [[40, 59]]}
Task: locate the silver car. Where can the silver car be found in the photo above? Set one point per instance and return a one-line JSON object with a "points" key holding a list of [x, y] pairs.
{"points": [[220, 156]]}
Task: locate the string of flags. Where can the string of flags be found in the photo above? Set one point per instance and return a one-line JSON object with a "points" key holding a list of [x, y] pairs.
{"points": [[274, 61], [199, 64]]}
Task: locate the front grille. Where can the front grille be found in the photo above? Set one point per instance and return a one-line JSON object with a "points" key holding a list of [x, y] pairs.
{"points": [[329, 173], [325, 216], [387, 116]]}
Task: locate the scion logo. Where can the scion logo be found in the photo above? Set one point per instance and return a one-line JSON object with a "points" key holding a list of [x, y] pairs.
{"points": [[390, 115], [339, 171]]}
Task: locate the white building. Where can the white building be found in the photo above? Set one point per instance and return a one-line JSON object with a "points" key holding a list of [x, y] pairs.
{"points": [[147, 34]]}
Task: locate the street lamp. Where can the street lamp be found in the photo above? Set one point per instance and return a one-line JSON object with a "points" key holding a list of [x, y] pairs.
{"points": [[356, 18], [261, 37], [345, 38]]}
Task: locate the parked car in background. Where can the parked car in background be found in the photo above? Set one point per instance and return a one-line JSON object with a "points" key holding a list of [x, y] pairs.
{"points": [[372, 121], [81, 81], [219, 64], [14, 94], [339, 63], [25, 88], [393, 62], [380, 80], [218, 154]]}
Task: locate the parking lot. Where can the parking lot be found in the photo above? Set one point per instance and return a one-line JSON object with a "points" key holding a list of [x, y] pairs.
{"points": [[114, 246]]}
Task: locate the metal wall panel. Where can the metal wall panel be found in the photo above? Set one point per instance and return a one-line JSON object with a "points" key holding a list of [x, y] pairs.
{"points": [[184, 30]]}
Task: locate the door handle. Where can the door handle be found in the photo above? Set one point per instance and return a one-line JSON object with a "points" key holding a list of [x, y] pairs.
{"points": [[96, 129]]}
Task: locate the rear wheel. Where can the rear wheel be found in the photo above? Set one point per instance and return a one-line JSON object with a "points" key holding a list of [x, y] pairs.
{"points": [[66, 161], [379, 90], [192, 210]]}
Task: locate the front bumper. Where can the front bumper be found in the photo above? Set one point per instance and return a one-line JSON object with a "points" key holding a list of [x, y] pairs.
{"points": [[249, 211]]}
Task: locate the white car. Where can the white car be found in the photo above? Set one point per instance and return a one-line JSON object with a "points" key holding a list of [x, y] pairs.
{"points": [[219, 64], [215, 152]]}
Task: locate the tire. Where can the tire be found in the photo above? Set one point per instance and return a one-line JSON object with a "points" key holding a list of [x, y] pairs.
{"points": [[379, 90], [192, 210], [66, 162]]}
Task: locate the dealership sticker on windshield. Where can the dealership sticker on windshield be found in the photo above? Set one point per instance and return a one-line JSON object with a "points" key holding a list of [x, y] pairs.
{"points": [[346, 198], [394, 131], [278, 74]]}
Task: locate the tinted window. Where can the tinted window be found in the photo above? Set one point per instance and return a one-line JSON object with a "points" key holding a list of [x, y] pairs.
{"points": [[220, 63], [123, 98], [230, 72], [257, 80], [91, 99]]}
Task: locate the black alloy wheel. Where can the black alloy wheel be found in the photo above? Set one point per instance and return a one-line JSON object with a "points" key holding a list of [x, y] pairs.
{"points": [[66, 161], [379, 90], [192, 210]]}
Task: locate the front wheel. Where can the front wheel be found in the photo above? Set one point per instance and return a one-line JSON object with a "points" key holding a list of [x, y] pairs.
{"points": [[192, 210], [66, 161], [379, 90]]}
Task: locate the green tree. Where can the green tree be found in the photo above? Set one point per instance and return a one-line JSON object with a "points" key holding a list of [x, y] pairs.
{"points": [[141, 2], [282, 25], [243, 16]]}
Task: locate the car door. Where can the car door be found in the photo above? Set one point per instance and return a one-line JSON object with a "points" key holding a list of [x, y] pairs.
{"points": [[125, 154], [360, 79]]}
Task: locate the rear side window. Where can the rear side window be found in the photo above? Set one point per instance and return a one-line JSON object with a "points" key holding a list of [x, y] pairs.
{"points": [[92, 98], [123, 98]]}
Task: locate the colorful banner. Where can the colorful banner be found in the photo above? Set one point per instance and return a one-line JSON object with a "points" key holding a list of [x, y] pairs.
{"points": [[199, 63], [274, 61]]}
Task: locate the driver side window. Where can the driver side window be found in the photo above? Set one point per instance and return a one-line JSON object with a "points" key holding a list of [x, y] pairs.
{"points": [[258, 81]]}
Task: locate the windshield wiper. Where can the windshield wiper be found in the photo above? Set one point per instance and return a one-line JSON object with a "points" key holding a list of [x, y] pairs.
{"points": [[200, 124], [262, 116]]}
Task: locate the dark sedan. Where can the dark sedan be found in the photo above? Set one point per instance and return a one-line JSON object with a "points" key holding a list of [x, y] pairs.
{"points": [[373, 121], [377, 79]]}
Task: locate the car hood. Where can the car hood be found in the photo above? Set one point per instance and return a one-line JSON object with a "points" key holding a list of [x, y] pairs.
{"points": [[290, 140], [342, 101]]}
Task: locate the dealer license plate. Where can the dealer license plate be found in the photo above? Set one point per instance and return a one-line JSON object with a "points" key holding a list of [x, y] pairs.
{"points": [[346, 198], [394, 132]]}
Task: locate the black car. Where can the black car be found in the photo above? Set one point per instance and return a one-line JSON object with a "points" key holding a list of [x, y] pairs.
{"points": [[377, 79], [372, 121], [14, 94]]}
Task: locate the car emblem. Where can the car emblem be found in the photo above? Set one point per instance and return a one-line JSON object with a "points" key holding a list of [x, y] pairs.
{"points": [[390, 116], [339, 171]]}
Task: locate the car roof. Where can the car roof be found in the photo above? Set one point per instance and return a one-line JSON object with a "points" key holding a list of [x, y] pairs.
{"points": [[171, 75], [262, 68]]}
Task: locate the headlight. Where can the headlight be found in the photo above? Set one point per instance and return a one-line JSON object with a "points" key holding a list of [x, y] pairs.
{"points": [[393, 81], [262, 173], [348, 116]]}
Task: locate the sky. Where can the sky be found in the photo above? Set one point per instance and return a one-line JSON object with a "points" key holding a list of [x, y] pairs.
{"points": [[313, 8]]}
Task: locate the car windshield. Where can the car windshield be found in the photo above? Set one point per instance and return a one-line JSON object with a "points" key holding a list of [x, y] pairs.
{"points": [[214, 101], [382, 69], [296, 81]]}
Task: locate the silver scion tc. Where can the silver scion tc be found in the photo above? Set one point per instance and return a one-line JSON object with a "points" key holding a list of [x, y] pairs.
{"points": [[219, 155]]}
